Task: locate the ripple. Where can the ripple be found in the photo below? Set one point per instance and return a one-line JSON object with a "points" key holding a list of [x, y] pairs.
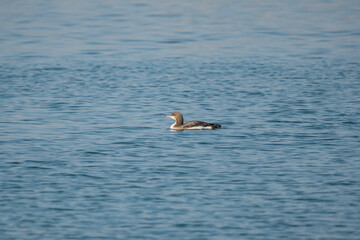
{"points": [[86, 151]]}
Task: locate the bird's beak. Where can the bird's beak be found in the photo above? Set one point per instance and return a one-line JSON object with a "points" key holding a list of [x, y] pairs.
{"points": [[167, 115]]}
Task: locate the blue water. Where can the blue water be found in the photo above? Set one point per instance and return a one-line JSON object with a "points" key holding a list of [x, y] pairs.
{"points": [[86, 152]]}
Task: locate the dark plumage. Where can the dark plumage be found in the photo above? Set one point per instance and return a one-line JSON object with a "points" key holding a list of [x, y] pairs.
{"points": [[179, 123]]}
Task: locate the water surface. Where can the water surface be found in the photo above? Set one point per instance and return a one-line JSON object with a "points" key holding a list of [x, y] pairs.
{"points": [[86, 152]]}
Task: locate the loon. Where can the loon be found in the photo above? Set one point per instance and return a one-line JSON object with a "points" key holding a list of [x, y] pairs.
{"points": [[193, 125]]}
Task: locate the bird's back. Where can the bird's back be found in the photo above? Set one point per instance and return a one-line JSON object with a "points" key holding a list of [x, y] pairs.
{"points": [[200, 125]]}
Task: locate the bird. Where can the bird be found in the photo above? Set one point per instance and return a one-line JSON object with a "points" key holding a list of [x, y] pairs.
{"points": [[193, 125]]}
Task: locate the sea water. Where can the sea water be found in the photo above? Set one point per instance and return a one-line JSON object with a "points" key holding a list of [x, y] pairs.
{"points": [[86, 151]]}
